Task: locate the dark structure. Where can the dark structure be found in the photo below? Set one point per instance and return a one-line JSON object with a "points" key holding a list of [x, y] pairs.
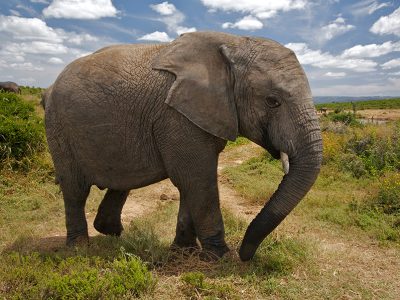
{"points": [[9, 86]]}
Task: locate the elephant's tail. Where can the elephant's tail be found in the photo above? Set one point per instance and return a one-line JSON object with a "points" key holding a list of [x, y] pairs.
{"points": [[45, 95]]}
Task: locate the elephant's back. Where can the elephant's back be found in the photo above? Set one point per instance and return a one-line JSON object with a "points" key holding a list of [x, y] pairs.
{"points": [[116, 79], [119, 69]]}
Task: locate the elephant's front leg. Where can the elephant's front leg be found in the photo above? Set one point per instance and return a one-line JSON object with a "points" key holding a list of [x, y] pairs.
{"points": [[108, 218], [185, 233], [197, 182], [205, 210]]}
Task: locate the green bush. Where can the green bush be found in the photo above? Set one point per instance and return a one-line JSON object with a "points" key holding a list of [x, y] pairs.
{"points": [[377, 153], [353, 164], [346, 118], [388, 199], [27, 90], [238, 142], [21, 131], [36, 277]]}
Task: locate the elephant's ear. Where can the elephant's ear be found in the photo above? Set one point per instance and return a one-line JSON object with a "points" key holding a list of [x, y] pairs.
{"points": [[203, 89]]}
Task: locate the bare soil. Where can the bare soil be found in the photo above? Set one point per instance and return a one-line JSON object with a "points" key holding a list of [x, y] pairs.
{"points": [[380, 114]]}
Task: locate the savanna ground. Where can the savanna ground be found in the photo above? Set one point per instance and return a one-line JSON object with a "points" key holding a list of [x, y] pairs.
{"points": [[341, 242]]}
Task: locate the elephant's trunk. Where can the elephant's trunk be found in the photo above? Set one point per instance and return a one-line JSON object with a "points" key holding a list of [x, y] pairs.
{"points": [[304, 169]]}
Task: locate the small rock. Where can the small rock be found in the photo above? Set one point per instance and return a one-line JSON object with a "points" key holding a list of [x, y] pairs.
{"points": [[163, 197]]}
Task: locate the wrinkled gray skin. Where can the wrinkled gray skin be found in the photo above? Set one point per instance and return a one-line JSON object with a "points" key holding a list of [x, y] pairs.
{"points": [[45, 95], [131, 115], [9, 86]]}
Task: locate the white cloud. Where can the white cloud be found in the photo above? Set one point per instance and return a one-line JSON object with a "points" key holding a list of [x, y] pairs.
{"points": [[172, 18], [79, 54], [82, 9], [164, 8], [26, 66], [29, 45], [372, 50], [27, 28], [55, 60], [156, 36], [389, 88], [266, 14], [40, 1], [394, 63], [389, 24], [254, 6], [36, 47], [367, 7], [24, 29], [181, 29], [333, 29], [320, 59], [335, 74], [79, 39], [246, 23]]}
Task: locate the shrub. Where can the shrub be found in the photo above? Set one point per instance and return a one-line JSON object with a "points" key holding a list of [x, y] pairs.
{"points": [[353, 164], [344, 117], [21, 131], [378, 151], [332, 146], [31, 90], [388, 199]]}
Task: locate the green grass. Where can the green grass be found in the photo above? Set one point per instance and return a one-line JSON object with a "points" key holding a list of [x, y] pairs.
{"points": [[361, 105], [238, 142], [249, 178], [34, 276]]}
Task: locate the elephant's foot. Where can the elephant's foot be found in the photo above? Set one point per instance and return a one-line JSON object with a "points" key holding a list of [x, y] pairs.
{"points": [[185, 246], [77, 240], [108, 225], [213, 254], [213, 248]]}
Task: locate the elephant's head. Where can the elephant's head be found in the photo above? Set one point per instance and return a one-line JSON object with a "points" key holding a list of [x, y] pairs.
{"points": [[230, 85]]}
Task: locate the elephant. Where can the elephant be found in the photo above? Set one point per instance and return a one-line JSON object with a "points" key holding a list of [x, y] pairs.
{"points": [[44, 95], [131, 115], [9, 86]]}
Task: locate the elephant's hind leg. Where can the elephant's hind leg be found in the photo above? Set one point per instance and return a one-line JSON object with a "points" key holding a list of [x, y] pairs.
{"points": [[75, 192], [108, 218]]}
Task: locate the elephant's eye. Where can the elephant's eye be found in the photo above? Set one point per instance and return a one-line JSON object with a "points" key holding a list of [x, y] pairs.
{"points": [[272, 102]]}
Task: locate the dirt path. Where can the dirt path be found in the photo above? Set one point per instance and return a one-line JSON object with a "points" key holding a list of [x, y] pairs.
{"points": [[380, 114]]}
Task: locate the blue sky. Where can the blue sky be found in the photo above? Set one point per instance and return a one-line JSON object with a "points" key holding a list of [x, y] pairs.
{"points": [[349, 48]]}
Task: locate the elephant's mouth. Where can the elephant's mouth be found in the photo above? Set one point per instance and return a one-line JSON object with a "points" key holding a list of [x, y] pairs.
{"points": [[275, 153]]}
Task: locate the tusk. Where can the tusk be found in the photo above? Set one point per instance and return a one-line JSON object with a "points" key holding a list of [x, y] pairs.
{"points": [[285, 162]]}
